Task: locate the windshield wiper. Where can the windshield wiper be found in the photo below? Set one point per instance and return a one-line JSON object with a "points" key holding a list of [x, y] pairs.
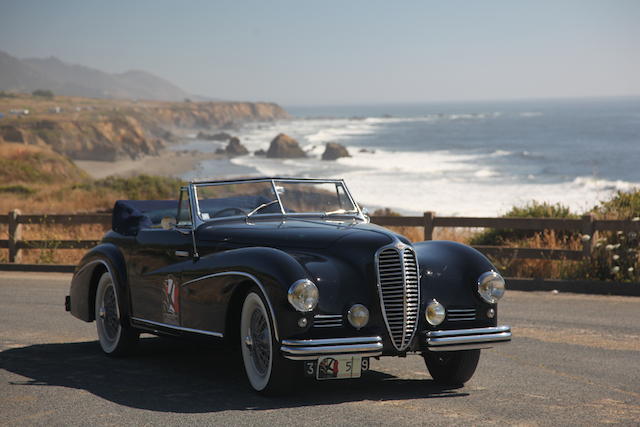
{"points": [[262, 206]]}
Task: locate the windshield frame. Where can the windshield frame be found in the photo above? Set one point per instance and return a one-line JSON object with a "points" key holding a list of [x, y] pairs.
{"points": [[199, 220]]}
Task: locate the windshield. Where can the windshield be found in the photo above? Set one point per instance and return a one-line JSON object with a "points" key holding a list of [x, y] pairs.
{"points": [[262, 197]]}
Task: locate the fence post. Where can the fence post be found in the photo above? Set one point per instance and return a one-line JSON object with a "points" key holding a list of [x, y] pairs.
{"points": [[588, 231], [15, 235], [428, 225]]}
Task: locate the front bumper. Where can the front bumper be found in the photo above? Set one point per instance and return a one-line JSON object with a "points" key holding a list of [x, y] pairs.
{"points": [[467, 339], [313, 349]]}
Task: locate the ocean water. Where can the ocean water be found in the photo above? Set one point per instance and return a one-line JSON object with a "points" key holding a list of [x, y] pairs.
{"points": [[477, 158]]}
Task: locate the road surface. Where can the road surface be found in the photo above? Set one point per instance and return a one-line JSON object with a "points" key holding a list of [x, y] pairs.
{"points": [[574, 360]]}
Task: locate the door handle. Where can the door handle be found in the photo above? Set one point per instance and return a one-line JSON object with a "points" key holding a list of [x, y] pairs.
{"points": [[182, 253]]}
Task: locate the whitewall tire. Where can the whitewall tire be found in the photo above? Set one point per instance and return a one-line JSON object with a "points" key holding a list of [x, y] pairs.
{"points": [[267, 371], [115, 337]]}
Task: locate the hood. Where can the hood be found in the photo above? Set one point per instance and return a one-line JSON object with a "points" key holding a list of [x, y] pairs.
{"points": [[294, 233]]}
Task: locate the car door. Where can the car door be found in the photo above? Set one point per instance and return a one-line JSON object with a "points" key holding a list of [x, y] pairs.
{"points": [[155, 268]]}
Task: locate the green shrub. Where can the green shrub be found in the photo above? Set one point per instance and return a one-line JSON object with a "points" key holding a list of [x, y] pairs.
{"points": [[18, 189], [615, 255], [42, 93]]}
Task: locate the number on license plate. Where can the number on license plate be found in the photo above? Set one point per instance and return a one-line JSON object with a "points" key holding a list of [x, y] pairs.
{"points": [[336, 367]]}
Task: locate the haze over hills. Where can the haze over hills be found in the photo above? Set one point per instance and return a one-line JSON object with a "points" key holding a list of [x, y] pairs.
{"points": [[27, 75]]}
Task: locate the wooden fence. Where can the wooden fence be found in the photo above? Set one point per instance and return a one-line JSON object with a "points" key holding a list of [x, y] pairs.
{"points": [[587, 226]]}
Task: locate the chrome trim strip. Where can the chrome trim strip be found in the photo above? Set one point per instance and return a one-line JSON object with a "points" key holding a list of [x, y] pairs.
{"points": [[477, 346], [327, 321], [504, 336], [467, 339], [332, 341], [332, 349], [458, 332], [315, 357], [313, 349], [178, 328], [255, 280]]}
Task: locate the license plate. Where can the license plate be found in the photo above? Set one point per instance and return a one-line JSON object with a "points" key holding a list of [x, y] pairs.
{"points": [[337, 367]]}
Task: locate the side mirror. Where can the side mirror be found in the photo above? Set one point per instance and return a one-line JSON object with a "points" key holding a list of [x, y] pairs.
{"points": [[168, 222]]}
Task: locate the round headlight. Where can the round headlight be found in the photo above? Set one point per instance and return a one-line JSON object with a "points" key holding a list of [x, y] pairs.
{"points": [[435, 313], [303, 295], [491, 286], [358, 316]]}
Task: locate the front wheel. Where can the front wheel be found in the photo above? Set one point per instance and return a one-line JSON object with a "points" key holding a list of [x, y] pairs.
{"points": [[116, 339], [266, 370], [452, 368]]}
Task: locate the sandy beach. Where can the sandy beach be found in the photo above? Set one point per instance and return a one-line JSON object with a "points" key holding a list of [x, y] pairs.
{"points": [[167, 163]]}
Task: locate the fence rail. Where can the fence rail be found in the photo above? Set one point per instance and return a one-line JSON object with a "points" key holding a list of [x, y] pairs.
{"points": [[587, 226]]}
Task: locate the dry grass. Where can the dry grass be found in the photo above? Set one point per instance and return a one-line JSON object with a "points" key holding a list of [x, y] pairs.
{"points": [[455, 234], [546, 268]]}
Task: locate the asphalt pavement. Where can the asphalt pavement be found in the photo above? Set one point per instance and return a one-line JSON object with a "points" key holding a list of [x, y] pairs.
{"points": [[574, 360]]}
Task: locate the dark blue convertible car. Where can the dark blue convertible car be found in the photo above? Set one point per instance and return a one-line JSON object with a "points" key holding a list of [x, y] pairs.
{"points": [[291, 272]]}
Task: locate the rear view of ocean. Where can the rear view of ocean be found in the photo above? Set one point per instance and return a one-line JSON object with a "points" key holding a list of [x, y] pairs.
{"points": [[474, 159]]}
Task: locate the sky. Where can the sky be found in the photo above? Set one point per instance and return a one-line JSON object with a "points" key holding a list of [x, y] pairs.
{"points": [[345, 52]]}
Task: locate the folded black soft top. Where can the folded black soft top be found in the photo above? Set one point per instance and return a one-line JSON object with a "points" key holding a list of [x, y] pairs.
{"points": [[129, 216]]}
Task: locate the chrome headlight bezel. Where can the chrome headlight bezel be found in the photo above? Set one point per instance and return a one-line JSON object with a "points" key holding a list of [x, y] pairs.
{"points": [[491, 287], [303, 295]]}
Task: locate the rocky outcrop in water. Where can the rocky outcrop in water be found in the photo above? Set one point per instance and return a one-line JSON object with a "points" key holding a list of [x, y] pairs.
{"points": [[333, 151], [220, 136], [233, 149], [285, 147]]}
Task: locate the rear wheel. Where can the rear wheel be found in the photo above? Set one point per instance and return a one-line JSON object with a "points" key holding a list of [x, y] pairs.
{"points": [[452, 368], [266, 370], [116, 338]]}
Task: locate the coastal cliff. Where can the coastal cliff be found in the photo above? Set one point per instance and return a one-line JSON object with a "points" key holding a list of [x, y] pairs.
{"points": [[91, 129]]}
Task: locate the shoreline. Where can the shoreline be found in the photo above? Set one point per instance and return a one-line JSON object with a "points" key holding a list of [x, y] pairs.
{"points": [[166, 163]]}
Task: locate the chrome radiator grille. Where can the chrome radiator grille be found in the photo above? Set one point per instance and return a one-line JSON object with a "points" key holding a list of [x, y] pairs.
{"points": [[399, 292]]}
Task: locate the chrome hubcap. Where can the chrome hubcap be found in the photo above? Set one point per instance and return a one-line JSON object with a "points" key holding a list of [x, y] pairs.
{"points": [[108, 312], [258, 342]]}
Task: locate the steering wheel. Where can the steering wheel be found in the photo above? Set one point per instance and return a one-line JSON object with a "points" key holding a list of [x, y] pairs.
{"points": [[232, 211]]}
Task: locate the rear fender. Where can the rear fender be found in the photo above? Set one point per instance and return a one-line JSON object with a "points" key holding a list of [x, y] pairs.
{"points": [[103, 258]]}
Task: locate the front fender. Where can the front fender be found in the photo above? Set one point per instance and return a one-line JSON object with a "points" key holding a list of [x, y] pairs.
{"points": [[449, 272], [105, 257], [271, 270]]}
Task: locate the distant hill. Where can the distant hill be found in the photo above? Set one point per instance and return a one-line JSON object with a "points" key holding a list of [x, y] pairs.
{"points": [[27, 75]]}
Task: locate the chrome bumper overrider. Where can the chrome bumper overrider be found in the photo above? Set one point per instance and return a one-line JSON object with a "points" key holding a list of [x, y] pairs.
{"points": [[467, 339], [312, 349]]}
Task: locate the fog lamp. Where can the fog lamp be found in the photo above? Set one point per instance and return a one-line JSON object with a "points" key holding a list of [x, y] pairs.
{"points": [[358, 316], [435, 313], [302, 322], [303, 295], [491, 286]]}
